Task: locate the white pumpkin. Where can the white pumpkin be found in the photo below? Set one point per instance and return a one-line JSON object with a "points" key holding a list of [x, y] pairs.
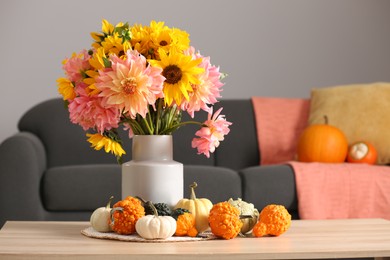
{"points": [[100, 218], [156, 227]]}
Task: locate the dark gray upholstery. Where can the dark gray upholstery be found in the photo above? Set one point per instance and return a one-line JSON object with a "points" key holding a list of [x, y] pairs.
{"points": [[49, 172], [271, 180]]}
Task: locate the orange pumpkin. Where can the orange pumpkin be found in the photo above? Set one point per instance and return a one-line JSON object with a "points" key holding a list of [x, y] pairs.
{"points": [[322, 143], [362, 152]]}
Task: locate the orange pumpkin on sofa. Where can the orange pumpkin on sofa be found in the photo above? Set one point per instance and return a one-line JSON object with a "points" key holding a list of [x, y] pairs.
{"points": [[322, 143], [362, 152]]}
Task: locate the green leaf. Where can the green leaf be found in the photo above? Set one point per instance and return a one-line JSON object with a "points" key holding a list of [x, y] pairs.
{"points": [[107, 62]]}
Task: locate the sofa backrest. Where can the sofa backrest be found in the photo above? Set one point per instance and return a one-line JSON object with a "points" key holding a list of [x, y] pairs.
{"points": [[66, 144]]}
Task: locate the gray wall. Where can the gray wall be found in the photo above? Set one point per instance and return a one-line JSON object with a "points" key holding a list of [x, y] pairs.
{"points": [[268, 47]]}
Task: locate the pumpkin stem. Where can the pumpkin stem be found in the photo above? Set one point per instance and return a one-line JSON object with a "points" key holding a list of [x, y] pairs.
{"points": [[109, 202], [326, 119], [150, 204], [192, 187], [112, 213], [245, 216], [142, 200]]}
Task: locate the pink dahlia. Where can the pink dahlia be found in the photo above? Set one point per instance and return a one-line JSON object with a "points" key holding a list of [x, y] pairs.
{"points": [[130, 85], [77, 65], [88, 112], [207, 92], [216, 127]]}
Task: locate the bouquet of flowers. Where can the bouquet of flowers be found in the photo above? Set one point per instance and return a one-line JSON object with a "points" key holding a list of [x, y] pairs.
{"points": [[142, 78]]}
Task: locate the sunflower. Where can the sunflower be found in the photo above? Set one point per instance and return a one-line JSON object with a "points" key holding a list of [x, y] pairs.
{"points": [[114, 44], [180, 71], [107, 30], [98, 59], [167, 38], [66, 88], [98, 141]]}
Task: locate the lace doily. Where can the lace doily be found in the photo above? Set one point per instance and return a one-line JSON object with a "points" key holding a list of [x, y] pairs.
{"points": [[90, 232]]}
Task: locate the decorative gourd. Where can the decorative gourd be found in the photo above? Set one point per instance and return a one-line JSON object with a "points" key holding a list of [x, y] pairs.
{"points": [[248, 210], [274, 220], [225, 220], [100, 218], [322, 143], [155, 226], [125, 214], [185, 223], [200, 208], [362, 152], [162, 208]]}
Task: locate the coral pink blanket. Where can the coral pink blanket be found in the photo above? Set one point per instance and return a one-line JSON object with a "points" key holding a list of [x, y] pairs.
{"points": [[343, 190], [325, 191]]}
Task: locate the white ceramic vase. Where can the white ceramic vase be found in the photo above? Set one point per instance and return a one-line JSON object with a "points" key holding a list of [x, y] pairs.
{"points": [[152, 174]]}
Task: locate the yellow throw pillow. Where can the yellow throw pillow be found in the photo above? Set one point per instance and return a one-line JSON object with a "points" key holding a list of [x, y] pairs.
{"points": [[361, 111]]}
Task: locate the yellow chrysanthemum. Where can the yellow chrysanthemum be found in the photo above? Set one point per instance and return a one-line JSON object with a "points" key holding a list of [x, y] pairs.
{"points": [[99, 141], [180, 71], [66, 88]]}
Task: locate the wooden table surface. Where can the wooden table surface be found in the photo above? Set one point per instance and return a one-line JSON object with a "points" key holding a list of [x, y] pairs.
{"points": [[306, 239]]}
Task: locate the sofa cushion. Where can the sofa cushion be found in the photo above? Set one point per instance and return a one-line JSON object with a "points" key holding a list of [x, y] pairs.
{"points": [[87, 187], [80, 188], [360, 111], [240, 148], [270, 184], [64, 142], [215, 183]]}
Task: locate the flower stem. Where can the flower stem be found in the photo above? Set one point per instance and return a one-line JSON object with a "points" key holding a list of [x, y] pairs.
{"points": [[147, 125], [182, 124]]}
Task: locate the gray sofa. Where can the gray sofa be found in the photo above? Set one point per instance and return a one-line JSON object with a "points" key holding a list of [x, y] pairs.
{"points": [[49, 172]]}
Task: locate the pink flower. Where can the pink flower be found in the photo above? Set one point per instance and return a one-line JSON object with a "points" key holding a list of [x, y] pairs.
{"points": [[130, 85], [207, 92], [88, 112], [216, 127], [76, 65], [127, 127]]}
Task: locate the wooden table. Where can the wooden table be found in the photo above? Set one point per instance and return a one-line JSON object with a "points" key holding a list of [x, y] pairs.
{"points": [[306, 239]]}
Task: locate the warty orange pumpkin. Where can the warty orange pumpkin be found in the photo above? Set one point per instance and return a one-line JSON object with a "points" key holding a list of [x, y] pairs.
{"points": [[322, 143], [362, 152]]}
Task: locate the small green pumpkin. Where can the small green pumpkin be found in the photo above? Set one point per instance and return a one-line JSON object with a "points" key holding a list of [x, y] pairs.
{"points": [[249, 211]]}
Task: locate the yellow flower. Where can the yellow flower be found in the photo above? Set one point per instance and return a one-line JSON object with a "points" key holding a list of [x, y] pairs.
{"points": [[107, 30], [181, 39], [113, 45], [167, 38], [97, 59], [99, 141], [180, 72], [140, 39], [90, 81], [66, 88]]}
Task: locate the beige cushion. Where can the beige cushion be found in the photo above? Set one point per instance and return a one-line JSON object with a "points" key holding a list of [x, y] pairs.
{"points": [[362, 112]]}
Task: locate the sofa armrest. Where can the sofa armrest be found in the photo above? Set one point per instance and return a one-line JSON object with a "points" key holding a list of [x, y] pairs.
{"points": [[271, 184], [22, 164]]}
